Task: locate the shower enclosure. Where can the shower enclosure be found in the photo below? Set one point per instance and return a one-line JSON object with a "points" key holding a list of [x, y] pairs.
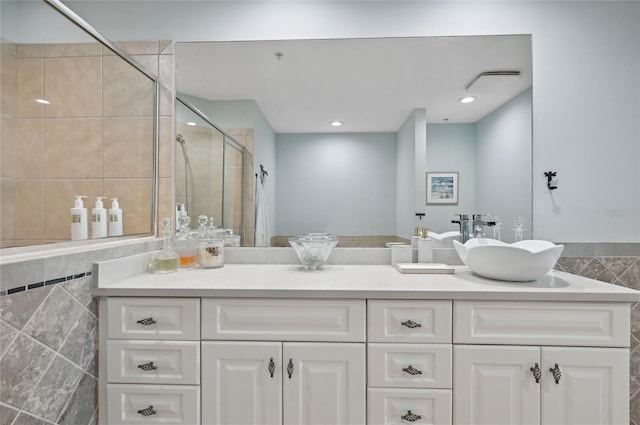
{"points": [[210, 172]]}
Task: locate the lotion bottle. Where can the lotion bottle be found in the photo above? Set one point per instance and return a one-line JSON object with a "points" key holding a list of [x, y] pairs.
{"points": [[99, 219], [115, 218], [79, 226]]}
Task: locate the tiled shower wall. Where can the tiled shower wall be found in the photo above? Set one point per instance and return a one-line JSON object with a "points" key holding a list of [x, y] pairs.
{"points": [[94, 138]]}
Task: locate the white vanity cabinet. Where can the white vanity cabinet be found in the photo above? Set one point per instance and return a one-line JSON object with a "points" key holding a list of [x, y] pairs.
{"points": [[152, 360], [283, 361], [572, 366], [409, 362]]}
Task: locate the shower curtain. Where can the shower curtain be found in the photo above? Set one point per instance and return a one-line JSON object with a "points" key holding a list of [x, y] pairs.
{"points": [[263, 233]]}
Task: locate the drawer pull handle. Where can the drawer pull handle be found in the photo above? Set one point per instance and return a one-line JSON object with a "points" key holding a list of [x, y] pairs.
{"points": [[411, 417], [556, 373], [537, 373], [272, 367], [148, 366], [148, 411], [290, 368], [411, 370], [411, 324], [146, 322]]}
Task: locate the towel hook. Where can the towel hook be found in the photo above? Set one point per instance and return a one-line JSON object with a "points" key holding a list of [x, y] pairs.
{"points": [[550, 175]]}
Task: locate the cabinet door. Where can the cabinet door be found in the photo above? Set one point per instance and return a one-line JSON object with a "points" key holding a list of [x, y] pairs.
{"points": [[493, 385], [593, 386], [324, 383], [240, 385]]}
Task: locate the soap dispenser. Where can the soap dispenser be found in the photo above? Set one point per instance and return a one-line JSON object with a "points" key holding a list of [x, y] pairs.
{"points": [[115, 218], [99, 219], [79, 226]]}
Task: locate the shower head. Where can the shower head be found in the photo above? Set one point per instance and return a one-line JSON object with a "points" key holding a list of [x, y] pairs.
{"points": [[180, 139]]}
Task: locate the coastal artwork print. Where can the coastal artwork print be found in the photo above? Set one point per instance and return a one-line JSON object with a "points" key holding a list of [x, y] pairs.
{"points": [[442, 188]]}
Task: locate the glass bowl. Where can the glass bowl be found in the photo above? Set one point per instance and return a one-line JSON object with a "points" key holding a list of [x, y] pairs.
{"points": [[313, 249]]}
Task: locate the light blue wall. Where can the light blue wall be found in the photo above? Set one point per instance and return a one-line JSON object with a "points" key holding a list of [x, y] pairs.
{"points": [[405, 177], [503, 153], [452, 148], [264, 152], [356, 165]]}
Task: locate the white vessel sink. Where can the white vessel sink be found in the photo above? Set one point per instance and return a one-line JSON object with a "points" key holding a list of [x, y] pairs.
{"points": [[518, 262], [444, 240]]}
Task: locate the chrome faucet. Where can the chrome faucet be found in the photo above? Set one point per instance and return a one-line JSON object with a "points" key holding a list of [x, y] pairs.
{"points": [[478, 225], [463, 223]]}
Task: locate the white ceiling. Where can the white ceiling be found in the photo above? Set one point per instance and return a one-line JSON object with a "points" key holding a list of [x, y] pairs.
{"points": [[372, 85]]}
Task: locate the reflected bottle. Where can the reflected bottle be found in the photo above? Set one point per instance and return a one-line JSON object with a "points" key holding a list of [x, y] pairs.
{"points": [[210, 246], [167, 260]]}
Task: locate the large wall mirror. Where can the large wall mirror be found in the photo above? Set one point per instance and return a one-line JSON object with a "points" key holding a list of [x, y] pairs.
{"points": [[350, 179], [76, 120]]}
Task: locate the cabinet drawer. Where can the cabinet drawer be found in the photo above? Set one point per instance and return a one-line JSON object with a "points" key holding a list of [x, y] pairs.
{"points": [[415, 406], [409, 365], [542, 323], [283, 320], [153, 362], [409, 321], [153, 404], [153, 318]]}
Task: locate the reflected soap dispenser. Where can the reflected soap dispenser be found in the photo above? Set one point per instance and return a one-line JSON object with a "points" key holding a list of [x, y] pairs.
{"points": [[99, 219], [115, 218], [79, 226]]}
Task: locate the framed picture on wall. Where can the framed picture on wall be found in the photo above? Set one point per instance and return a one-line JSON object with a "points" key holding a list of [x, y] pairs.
{"points": [[442, 188]]}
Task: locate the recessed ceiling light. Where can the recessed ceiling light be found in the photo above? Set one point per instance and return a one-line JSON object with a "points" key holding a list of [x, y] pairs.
{"points": [[336, 123], [43, 101], [191, 123], [467, 99]]}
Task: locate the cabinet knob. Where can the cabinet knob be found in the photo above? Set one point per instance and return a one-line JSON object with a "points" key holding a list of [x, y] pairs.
{"points": [[272, 367], [148, 321], [290, 368], [411, 417], [148, 411], [411, 370], [148, 366], [411, 324], [556, 373], [537, 373]]}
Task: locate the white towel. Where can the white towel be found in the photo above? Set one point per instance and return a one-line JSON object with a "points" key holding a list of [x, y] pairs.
{"points": [[263, 233]]}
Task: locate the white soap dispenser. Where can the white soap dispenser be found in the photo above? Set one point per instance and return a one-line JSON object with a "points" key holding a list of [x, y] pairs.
{"points": [[115, 218], [99, 219], [79, 226]]}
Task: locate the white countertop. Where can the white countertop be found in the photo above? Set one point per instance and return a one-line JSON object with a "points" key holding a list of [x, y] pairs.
{"points": [[345, 281]]}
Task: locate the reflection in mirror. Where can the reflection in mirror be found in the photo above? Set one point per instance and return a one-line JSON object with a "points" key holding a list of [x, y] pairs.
{"points": [[211, 176], [76, 120], [398, 101]]}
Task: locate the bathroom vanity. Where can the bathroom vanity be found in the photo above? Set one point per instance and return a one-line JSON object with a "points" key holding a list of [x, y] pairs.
{"points": [[356, 344]]}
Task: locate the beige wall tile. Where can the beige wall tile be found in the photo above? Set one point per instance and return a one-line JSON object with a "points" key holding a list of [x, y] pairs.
{"points": [[73, 86], [127, 147], [59, 196], [30, 86], [8, 81], [166, 47], [136, 48], [127, 92], [29, 141], [134, 196], [167, 148], [29, 208], [74, 49], [8, 47], [166, 201], [73, 148], [7, 209], [167, 84], [30, 50], [8, 147]]}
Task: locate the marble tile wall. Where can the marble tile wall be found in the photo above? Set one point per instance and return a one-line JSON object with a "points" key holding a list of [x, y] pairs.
{"points": [[619, 265], [48, 337]]}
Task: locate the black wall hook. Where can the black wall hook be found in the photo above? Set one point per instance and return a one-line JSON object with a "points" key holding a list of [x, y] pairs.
{"points": [[420, 215], [550, 175]]}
